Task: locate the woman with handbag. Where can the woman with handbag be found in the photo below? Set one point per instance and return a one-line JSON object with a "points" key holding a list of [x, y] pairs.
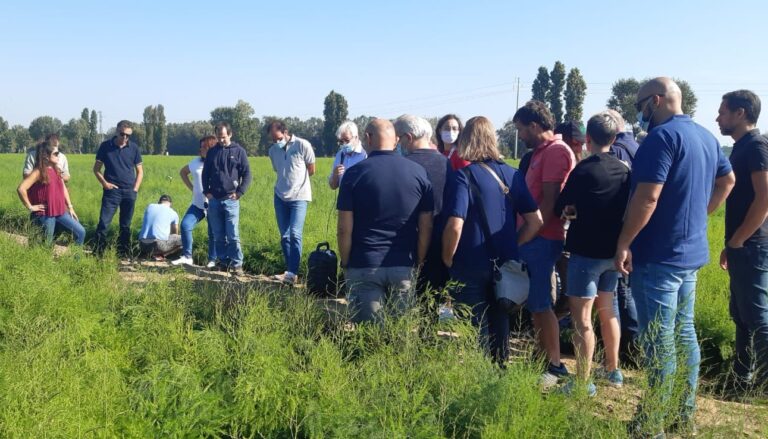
{"points": [[482, 203]]}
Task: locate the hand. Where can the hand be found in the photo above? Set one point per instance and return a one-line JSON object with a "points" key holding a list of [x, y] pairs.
{"points": [[734, 244], [569, 212], [623, 260], [37, 208], [109, 186], [73, 214], [338, 171], [234, 196], [724, 259]]}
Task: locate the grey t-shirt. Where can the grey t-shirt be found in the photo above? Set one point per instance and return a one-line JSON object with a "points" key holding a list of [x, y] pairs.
{"points": [[290, 165], [29, 163]]}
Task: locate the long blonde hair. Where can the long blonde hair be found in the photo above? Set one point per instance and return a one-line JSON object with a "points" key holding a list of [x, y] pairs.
{"points": [[477, 141]]}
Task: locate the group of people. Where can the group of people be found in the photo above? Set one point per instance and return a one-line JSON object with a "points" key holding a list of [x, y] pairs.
{"points": [[624, 228]]}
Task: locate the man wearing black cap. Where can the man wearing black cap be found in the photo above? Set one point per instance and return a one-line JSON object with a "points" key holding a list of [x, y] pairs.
{"points": [[159, 236]]}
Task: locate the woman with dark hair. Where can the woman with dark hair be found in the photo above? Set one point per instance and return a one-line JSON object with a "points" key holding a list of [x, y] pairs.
{"points": [[45, 195], [482, 202], [199, 207], [447, 132]]}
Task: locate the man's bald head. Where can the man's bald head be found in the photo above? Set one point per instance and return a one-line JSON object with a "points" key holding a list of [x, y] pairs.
{"points": [[380, 136], [666, 89]]}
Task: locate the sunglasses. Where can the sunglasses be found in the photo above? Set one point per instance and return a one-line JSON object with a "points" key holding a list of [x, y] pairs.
{"points": [[639, 104], [56, 153], [126, 135]]}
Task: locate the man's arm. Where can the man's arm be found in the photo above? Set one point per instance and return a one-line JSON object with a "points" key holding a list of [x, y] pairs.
{"points": [[451, 237], [425, 235], [65, 170], [530, 228], [174, 229], [757, 212], [100, 177], [723, 186], [245, 175], [311, 169], [550, 191], [641, 207], [139, 177], [344, 235]]}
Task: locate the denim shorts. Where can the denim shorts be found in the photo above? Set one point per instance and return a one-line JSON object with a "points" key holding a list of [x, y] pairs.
{"points": [[587, 276], [541, 254]]}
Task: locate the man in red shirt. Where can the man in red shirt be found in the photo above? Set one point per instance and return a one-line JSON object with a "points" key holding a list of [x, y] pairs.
{"points": [[551, 162]]}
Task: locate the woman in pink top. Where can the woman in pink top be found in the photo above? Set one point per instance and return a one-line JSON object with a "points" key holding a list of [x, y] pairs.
{"points": [[447, 131], [44, 194]]}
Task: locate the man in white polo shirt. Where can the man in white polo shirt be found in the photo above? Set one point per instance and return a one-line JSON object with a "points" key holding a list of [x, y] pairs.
{"points": [[294, 162]]}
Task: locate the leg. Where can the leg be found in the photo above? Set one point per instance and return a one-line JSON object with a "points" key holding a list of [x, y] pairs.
{"points": [[627, 315], [232, 229], [216, 219], [399, 295], [68, 222], [477, 294], [193, 216], [170, 246], [127, 204], [212, 255], [47, 225], [110, 201], [689, 352], [298, 212], [738, 270], [584, 335], [283, 217], [366, 293], [609, 328]]}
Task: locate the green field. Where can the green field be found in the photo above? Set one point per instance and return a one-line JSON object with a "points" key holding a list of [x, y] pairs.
{"points": [[83, 354]]}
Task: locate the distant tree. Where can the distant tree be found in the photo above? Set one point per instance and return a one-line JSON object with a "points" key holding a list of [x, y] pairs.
{"points": [[44, 125], [541, 85], [21, 140], [160, 140], [506, 137], [6, 137], [557, 76], [184, 138], [310, 129], [689, 97], [575, 91], [93, 130], [149, 129], [623, 95], [362, 122], [245, 127], [74, 134], [334, 113]]}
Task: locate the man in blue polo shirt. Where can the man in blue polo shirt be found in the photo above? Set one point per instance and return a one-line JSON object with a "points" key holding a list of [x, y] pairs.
{"points": [[121, 180], [679, 176], [385, 223]]}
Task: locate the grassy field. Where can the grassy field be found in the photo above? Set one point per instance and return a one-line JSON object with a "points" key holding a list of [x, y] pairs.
{"points": [[85, 354]]}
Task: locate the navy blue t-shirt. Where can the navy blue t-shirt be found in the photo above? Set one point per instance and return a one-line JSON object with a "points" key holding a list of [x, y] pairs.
{"points": [[386, 194], [119, 163], [438, 167], [472, 254], [686, 159]]}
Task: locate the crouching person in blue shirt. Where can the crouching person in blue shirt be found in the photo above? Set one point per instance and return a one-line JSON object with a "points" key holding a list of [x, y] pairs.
{"points": [[385, 222], [159, 236], [468, 250]]}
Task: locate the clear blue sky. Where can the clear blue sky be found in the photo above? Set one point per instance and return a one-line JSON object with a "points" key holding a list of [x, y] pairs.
{"points": [[386, 58]]}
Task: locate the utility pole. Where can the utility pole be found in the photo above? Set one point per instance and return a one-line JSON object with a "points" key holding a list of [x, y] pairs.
{"points": [[517, 105]]}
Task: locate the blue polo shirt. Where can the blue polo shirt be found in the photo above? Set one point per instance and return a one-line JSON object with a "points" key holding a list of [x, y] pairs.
{"points": [[472, 254], [386, 194], [119, 163], [686, 159]]}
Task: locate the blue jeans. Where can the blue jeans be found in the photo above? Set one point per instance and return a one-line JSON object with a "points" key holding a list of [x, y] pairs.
{"points": [[111, 200], [224, 218], [477, 291], [290, 221], [665, 297], [49, 223], [193, 216], [540, 254], [748, 270]]}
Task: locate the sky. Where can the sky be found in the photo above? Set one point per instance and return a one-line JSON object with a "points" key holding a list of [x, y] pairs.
{"points": [[387, 58]]}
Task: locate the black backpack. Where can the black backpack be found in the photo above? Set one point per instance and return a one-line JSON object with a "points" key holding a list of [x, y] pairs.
{"points": [[322, 267]]}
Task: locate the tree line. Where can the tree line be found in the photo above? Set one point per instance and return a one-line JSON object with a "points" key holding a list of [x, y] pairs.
{"points": [[564, 94]]}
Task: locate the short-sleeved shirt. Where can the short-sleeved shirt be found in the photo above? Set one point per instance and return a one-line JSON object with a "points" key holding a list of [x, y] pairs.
{"points": [[437, 167], [599, 189], [157, 222], [350, 159], [196, 170], [290, 164], [51, 194], [31, 160], [686, 159], [386, 193], [473, 253], [551, 162], [119, 163], [749, 155]]}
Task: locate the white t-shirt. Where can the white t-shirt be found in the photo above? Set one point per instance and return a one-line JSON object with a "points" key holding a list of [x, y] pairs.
{"points": [[196, 170]]}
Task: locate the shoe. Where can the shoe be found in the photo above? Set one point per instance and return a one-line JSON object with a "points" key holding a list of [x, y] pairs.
{"points": [[210, 265], [614, 378], [158, 258], [237, 271], [570, 388], [287, 278], [184, 260], [552, 376]]}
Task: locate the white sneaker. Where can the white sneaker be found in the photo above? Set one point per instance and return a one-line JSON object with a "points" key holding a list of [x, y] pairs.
{"points": [[184, 260], [210, 264]]}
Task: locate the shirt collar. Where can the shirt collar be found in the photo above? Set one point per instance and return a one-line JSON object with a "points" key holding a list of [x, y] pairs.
{"points": [[747, 137], [555, 138]]}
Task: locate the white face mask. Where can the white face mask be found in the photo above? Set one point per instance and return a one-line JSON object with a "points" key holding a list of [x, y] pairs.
{"points": [[449, 136]]}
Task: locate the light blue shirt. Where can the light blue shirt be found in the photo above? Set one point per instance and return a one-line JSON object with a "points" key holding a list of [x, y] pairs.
{"points": [[157, 222], [356, 156]]}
